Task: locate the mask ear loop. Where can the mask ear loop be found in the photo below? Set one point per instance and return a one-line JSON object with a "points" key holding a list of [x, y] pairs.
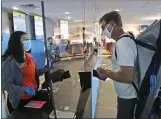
{"points": [[112, 28], [107, 26]]}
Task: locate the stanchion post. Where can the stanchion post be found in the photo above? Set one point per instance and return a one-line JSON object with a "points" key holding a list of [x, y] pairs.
{"points": [[84, 49], [49, 81]]}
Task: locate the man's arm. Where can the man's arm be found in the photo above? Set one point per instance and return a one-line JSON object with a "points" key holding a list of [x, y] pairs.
{"points": [[124, 75], [126, 54]]}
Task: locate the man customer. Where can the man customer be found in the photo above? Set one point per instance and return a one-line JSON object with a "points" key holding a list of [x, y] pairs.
{"points": [[123, 64]]}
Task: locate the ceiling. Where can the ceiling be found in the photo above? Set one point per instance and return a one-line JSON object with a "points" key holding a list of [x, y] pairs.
{"points": [[133, 12]]}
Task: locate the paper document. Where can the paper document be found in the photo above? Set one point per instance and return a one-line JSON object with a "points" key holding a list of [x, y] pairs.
{"points": [[35, 104]]}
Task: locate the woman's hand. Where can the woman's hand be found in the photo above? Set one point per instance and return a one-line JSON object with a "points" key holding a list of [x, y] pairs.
{"points": [[30, 91], [50, 63]]}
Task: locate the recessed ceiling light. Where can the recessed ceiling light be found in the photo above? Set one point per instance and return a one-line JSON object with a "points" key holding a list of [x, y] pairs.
{"points": [[15, 8], [67, 13], [37, 7], [77, 20], [69, 17], [117, 10]]}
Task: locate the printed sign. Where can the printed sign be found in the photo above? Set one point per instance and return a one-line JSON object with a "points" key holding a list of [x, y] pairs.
{"points": [[19, 21], [143, 28], [64, 29], [38, 27]]}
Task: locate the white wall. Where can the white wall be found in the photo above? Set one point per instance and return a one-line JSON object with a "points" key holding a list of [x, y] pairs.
{"points": [[30, 27], [50, 24], [5, 22], [7, 27]]}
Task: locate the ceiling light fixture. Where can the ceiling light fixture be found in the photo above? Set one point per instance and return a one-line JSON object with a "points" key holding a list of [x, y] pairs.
{"points": [[37, 7], [69, 17], [15, 8], [77, 20], [117, 10], [67, 13]]}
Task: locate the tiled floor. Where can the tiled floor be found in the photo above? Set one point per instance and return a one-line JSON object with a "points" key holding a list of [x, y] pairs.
{"points": [[69, 90], [106, 102]]}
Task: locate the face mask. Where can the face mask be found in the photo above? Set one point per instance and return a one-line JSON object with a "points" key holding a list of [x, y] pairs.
{"points": [[27, 45], [107, 33]]}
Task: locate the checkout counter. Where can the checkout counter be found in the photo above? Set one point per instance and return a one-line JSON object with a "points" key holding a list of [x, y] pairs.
{"points": [[84, 106], [37, 110], [33, 113]]}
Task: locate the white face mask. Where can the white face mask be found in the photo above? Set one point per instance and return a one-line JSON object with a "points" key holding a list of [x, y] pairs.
{"points": [[107, 33]]}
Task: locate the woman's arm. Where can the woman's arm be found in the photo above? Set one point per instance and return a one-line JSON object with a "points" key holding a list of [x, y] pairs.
{"points": [[12, 74]]}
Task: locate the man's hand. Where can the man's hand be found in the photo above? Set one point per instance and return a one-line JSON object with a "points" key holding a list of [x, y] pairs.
{"points": [[124, 75], [103, 73]]}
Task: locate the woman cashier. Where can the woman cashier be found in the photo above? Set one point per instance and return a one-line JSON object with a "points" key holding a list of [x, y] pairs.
{"points": [[27, 68]]}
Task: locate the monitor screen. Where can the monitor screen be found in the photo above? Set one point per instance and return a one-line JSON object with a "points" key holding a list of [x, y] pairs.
{"points": [[143, 28], [19, 21], [38, 27], [64, 29]]}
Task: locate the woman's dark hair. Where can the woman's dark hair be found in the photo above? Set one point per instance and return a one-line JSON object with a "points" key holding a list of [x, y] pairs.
{"points": [[15, 47]]}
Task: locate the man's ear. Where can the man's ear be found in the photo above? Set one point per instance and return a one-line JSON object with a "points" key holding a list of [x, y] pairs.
{"points": [[112, 23]]}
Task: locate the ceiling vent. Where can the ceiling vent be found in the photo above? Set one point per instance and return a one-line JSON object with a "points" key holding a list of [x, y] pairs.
{"points": [[29, 6]]}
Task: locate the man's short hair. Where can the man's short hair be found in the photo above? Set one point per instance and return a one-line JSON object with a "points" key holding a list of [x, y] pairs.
{"points": [[112, 16]]}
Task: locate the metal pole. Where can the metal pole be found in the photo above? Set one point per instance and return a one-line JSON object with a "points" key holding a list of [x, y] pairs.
{"points": [[83, 28], [49, 81], [84, 48]]}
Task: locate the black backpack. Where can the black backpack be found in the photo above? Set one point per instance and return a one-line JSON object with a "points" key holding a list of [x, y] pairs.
{"points": [[149, 63]]}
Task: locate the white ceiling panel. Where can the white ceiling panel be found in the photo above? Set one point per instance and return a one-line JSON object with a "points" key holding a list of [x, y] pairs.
{"points": [[132, 11]]}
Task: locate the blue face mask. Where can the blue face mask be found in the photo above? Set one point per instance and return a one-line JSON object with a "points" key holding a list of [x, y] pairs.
{"points": [[27, 45]]}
